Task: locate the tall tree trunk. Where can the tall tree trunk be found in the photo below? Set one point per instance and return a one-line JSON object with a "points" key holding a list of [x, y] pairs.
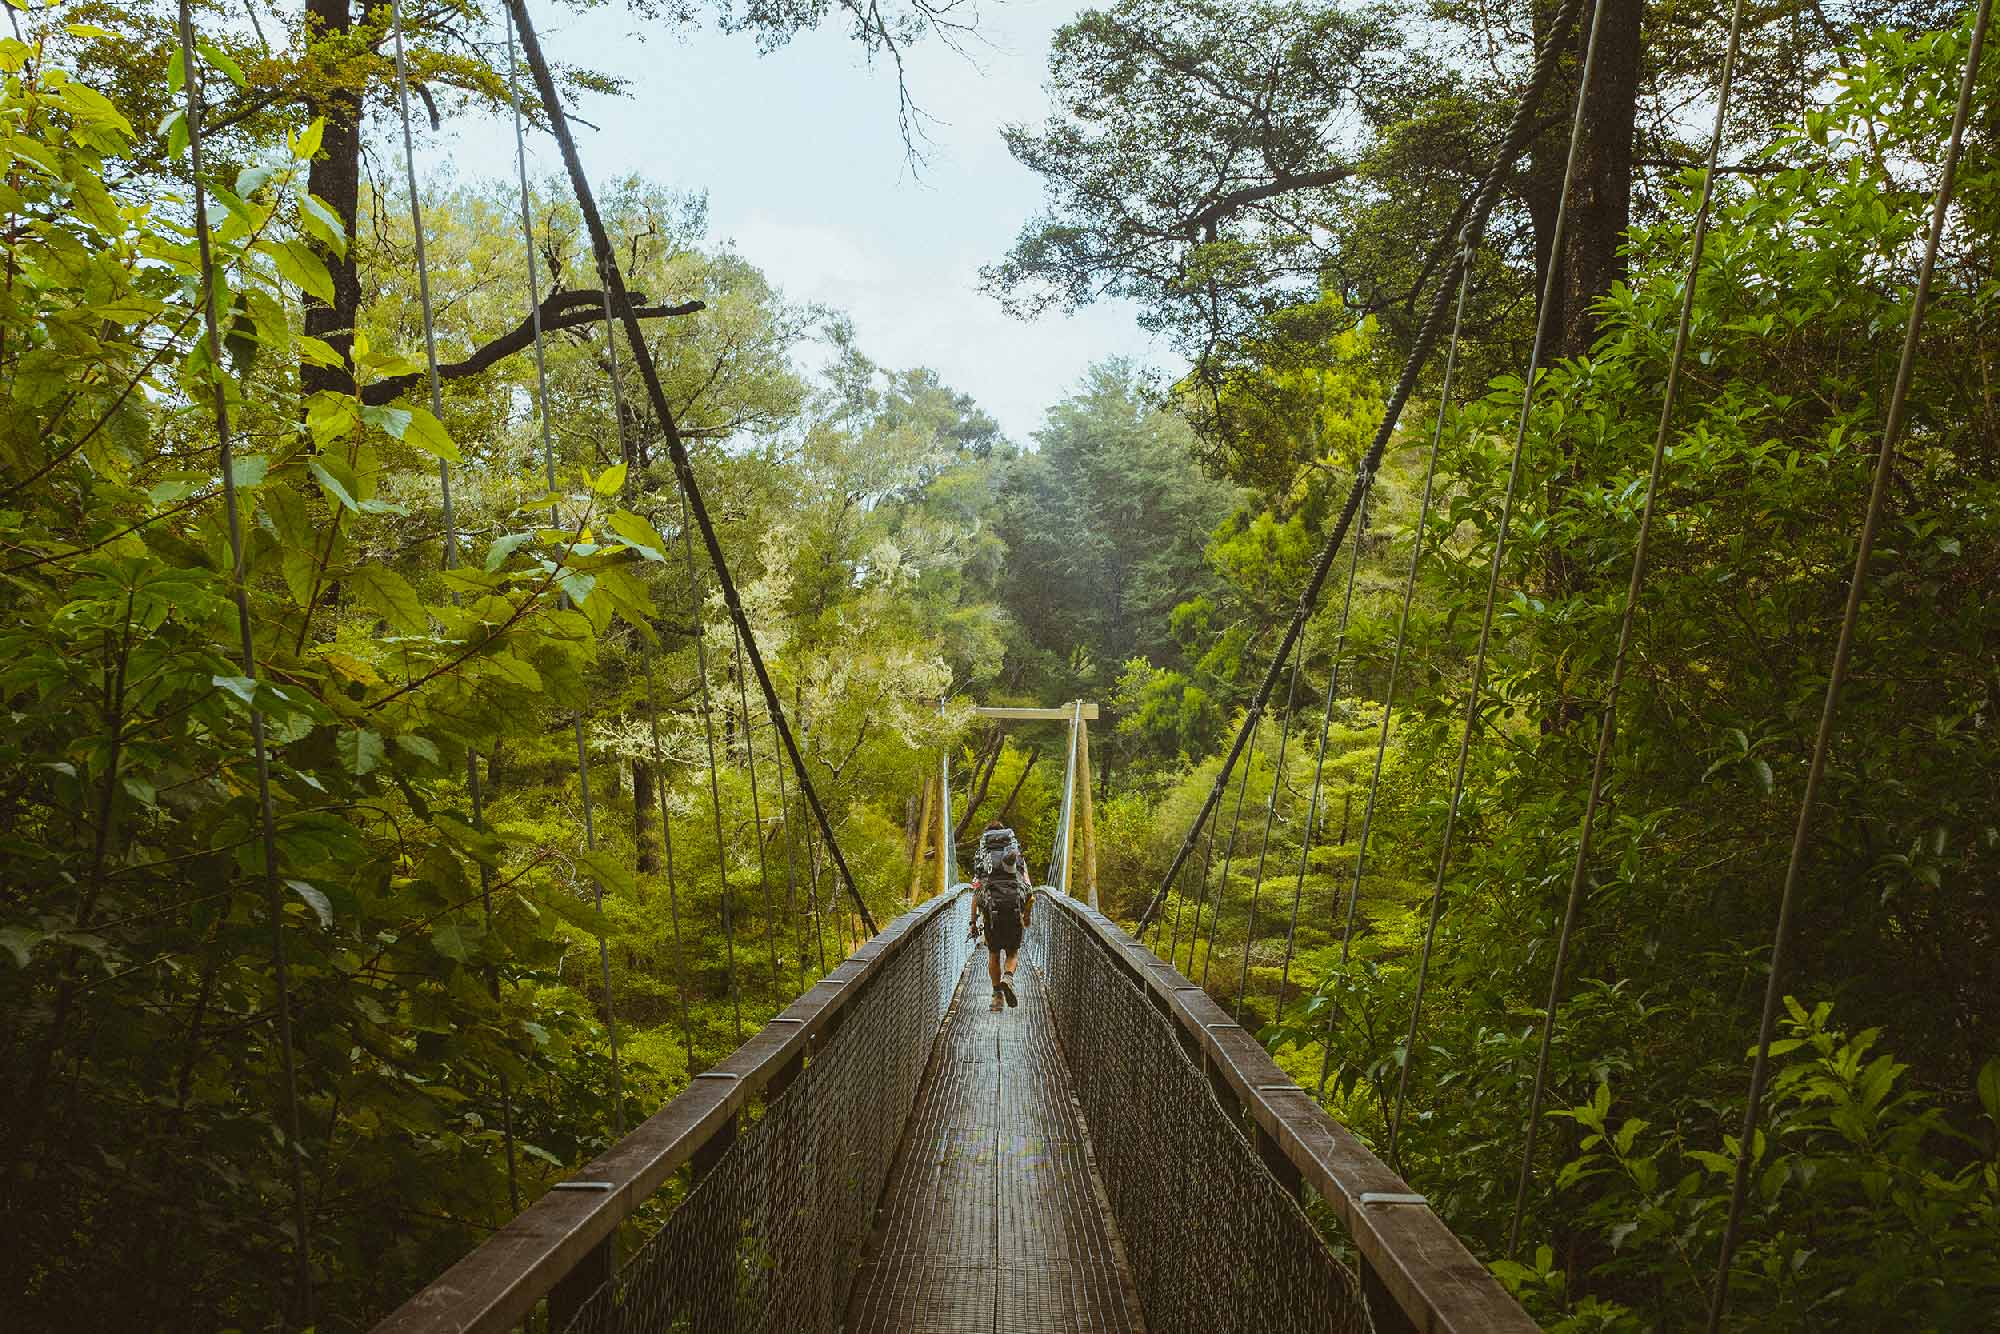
{"points": [[648, 861], [1600, 207], [335, 176], [1600, 210]]}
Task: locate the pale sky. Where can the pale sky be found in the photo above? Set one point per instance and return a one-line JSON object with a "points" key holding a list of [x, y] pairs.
{"points": [[800, 155]]}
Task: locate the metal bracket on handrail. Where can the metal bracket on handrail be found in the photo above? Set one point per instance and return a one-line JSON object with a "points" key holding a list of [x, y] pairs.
{"points": [[585, 1185], [1389, 1197]]}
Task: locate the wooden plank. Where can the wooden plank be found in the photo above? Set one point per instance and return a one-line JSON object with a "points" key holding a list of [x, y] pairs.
{"points": [[1057, 715]]}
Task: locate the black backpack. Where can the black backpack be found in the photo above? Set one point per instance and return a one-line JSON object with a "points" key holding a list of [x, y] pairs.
{"points": [[1001, 896]]}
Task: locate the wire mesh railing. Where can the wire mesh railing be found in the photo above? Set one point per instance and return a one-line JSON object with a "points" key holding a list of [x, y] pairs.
{"points": [[1208, 1153], [789, 1144]]}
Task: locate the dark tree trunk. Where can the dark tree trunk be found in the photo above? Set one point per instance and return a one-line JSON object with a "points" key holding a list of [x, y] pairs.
{"points": [[335, 176], [1600, 207], [643, 837]]}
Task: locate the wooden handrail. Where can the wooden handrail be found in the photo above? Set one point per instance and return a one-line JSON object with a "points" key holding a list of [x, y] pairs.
{"points": [[1408, 1255], [495, 1287]]}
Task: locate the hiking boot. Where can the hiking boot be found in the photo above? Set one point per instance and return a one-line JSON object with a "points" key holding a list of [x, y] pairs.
{"points": [[997, 1003], [1007, 990]]}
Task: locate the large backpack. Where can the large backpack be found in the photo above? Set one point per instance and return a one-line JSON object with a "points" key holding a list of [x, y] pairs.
{"points": [[992, 843], [1001, 896]]}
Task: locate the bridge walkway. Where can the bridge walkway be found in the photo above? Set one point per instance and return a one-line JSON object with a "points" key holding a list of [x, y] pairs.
{"points": [[994, 1218]]}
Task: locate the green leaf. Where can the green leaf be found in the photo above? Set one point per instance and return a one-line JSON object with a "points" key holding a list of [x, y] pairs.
{"points": [[248, 471], [315, 899], [333, 485], [360, 750], [221, 60], [319, 352], [638, 534], [20, 942], [305, 143], [389, 595], [423, 748], [610, 481], [449, 939], [299, 266], [243, 687], [503, 547], [1989, 1088], [578, 913], [390, 420], [609, 871], [427, 433]]}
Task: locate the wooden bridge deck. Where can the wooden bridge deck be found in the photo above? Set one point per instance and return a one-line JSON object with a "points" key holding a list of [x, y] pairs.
{"points": [[994, 1219]]}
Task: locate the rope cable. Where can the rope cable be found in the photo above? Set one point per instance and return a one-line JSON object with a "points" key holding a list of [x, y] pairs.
{"points": [[1520, 130], [683, 466], [239, 587], [1543, 322], [1608, 722], [1319, 762], [1850, 616]]}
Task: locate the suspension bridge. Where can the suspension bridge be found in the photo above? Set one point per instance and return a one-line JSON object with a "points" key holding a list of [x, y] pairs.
{"points": [[1118, 1153]]}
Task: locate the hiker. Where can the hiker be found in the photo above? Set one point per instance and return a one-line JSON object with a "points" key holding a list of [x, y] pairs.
{"points": [[1004, 902]]}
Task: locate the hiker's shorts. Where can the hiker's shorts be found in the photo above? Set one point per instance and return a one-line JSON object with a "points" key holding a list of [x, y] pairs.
{"points": [[1003, 933]]}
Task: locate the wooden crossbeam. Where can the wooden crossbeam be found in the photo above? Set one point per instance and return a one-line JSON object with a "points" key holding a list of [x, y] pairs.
{"points": [[1061, 715]]}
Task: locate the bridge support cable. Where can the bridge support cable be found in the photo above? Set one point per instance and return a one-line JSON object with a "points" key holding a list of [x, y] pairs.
{"points": [[1401, 644], [1307, 835], [619, 300], [1608, 720], [240, 592], [1543, 322], [1270, 819], [757, 817], [1520, 130], [792, 874], [1857, 589], [474, 793], [1228, 855]]}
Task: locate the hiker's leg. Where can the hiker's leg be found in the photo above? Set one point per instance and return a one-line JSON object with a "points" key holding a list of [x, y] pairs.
{"points": [[993, 967], [1013, 959]]}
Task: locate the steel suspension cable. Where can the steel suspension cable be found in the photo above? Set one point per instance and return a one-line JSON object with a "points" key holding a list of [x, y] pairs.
{"points": [[1641, 547], [1228, 853], [1401, 644], [1857, 587], [473, 789], [549, 477], [607, 264], [1270, 818], [792, 876], [1201, 895], [423, 276], [1520, 130], [757, 813], [1319, 760], [240, 592], [1543, 323]]}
